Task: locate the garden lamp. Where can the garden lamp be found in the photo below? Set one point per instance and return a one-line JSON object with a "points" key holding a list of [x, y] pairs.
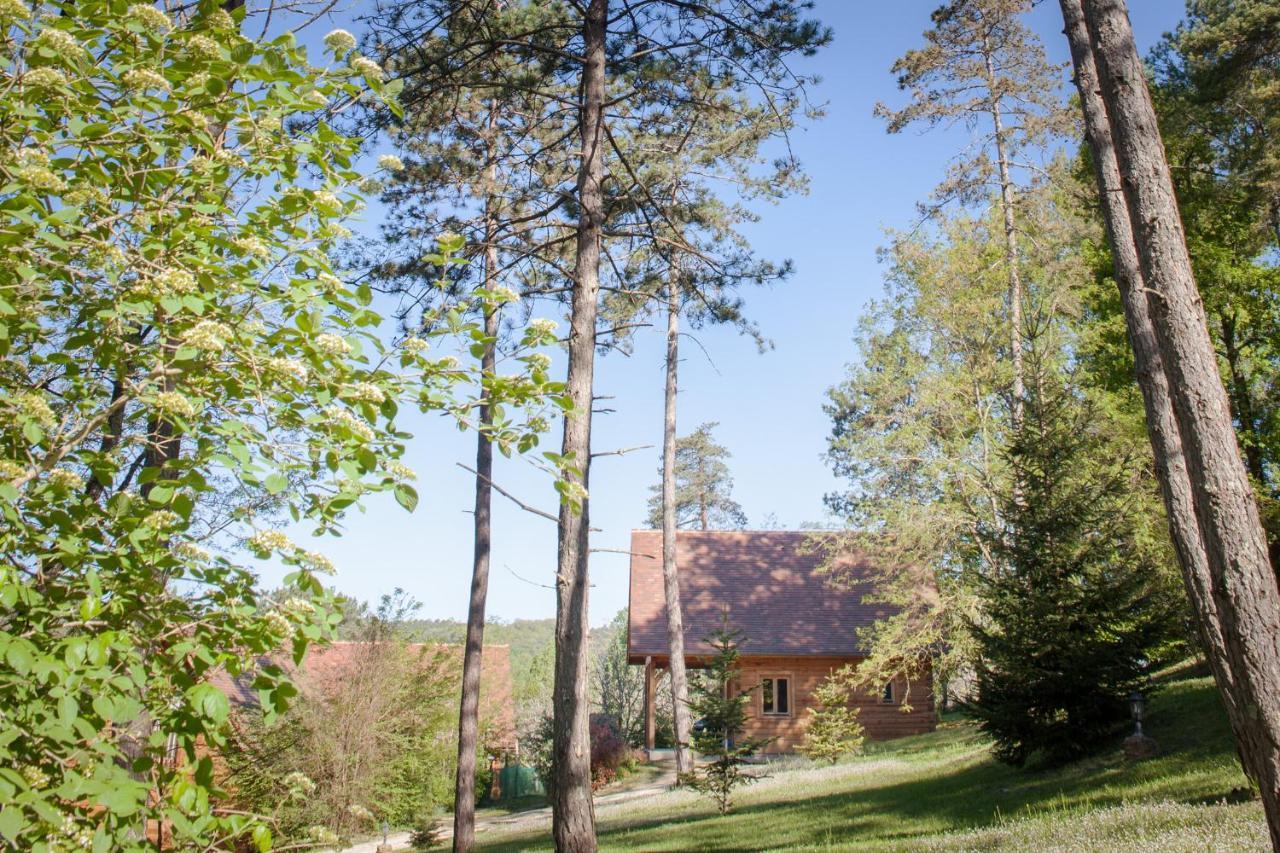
{"points": [[1137, 707]]}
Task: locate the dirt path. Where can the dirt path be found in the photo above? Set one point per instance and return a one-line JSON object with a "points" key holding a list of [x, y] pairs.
{"points": [[530, 819]]}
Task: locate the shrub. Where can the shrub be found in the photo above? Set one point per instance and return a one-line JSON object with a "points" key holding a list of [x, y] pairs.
{"points": [[833, 729]]}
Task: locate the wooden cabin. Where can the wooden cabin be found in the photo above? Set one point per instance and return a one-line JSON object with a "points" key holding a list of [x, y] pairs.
{"points": [[798, 627]]}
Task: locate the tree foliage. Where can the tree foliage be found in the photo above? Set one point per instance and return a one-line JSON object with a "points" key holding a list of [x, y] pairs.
{"points": [[703, 485], [833, 730]]}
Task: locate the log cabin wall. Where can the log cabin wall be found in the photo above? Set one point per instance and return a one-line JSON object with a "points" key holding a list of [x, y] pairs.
{"points": [[881, 719]]}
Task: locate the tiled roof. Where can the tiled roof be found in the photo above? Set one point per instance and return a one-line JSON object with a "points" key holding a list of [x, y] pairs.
{"points": [[766, 579], [324, 666]]}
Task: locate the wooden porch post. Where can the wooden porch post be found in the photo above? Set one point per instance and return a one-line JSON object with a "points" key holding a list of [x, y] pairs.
{"points": [[650, 691]]}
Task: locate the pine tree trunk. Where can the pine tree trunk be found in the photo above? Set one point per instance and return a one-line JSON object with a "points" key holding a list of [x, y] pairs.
{"points": [[670, 571], [1162, 427], [464, 792], [573, 812], [1010, 246], [1244, 587]]}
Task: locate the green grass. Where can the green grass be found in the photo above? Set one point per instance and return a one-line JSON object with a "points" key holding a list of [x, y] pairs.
{"points": [[943, 791]]}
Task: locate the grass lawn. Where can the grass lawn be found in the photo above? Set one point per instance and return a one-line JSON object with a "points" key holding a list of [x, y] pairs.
{"points": [[943, 791]]}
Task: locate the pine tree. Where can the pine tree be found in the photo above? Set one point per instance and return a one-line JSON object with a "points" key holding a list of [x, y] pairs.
{"points": [[722, 711], [834, 730], [703, 485], [1069, 622]]}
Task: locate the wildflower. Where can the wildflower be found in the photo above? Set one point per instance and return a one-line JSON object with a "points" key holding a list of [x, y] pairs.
{"points": [[539, 361], [390, 162], [543, 326], [503, 294], [150, 17], [43, 77], [60, 43], [33, 406], [331, 344], [70, 481], [190, 551], [415, 345], [33, 168], [13, 10], [173, 403], [340, 42], [399, 471], [161, 519], [279, 623], [208, 335], [173, 282], [10, 470], [326, 200], [329, 283], [288, 367], [368, 69], [203, 47], [269, 541], [317, 562], [449, 362], [220, 20], [297, 606], [253, 247], [364, 392], [35, 777], [144, 79]]}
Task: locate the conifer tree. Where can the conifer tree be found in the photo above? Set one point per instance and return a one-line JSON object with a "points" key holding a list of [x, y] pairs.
{"points": [[1069, 624], [703, 485], [834, 730]]}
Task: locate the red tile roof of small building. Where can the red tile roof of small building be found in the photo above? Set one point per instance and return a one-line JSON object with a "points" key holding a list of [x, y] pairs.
{"points": [[770, 584]]}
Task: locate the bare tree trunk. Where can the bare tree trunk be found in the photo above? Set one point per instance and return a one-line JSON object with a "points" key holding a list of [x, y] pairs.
{"points": [[573, 812], [1244, 587], [464, 792], [1162, 427], [1010, 244], [670, 571]]}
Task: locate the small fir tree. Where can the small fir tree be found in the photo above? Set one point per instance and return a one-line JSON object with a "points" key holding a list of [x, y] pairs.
{"points": [[834, 730], [1070, 621], [723, 714]]}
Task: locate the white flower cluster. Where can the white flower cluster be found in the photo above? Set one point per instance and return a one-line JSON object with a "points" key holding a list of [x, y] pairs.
{"points": [[279, 623], [399, 471], [60, 43], [33, 406], [13, 10], [207, 335], [203, 47], [341, 417], [191, 551], [415, 345], [360, 812], [70, 481], [270, 541], [390, 162], [317, 99], [329, 283], [340, 42], [10, 470], [316, 562], [44, 77], [296, 606], [539, 361], [173, 403], [331, 344], [220, 20], [363, 392], [32, 168], [504, 294], [299, 782], [172, 282], [543, 326], [323, 836], [253, 247], [288, 367], [326, 200], [144, 80], [367, 68], [150, 17], [161, 519], [449, 362]]}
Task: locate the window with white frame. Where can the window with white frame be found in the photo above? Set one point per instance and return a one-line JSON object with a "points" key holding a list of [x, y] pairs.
{"points": [[775, 696]]}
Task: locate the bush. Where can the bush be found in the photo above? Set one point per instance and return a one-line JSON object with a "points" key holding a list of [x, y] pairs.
{"points": [[833, 729], [611, 756]]}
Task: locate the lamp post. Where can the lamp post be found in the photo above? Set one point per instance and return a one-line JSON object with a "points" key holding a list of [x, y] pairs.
{"points": [[1137, 745]]}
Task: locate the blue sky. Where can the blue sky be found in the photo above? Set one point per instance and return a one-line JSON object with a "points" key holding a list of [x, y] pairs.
{"points": [[769, 406]]}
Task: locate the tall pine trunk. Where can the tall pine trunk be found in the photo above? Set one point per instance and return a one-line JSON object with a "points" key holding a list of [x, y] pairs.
{"points": [[573, 813], [1243, 585], [1162, 427], [1010, 243], [464, 792], [670, 571]]}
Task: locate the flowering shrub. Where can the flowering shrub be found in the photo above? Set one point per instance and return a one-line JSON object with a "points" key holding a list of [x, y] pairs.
{"points": [[611, 755], [177, 355]]}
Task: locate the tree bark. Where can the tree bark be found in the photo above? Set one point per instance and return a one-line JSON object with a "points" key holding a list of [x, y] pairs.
{"points": [[1010, 244], [1162, 427], [573, 812], [670, 571], [1244, 588], [464, 792]]}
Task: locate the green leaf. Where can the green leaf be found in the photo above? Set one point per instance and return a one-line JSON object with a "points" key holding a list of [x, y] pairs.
{"points": [[209, 702], [406, 496], [262, 837], [11, 822], [276, 483]]}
